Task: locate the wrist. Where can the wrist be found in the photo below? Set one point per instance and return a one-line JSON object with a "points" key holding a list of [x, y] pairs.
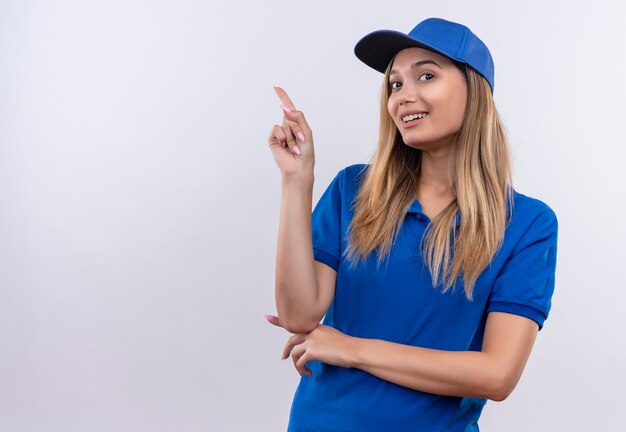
{"points": [[357, 346], [299, 181]]}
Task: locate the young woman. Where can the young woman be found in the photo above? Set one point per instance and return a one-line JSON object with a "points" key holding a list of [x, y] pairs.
{"points": [[432, 273]]}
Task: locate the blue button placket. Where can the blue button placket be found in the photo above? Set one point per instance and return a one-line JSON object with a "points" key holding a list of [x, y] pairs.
{"points": [[416, 211]]}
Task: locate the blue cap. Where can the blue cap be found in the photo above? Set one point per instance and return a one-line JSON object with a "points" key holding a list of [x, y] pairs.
{"points": [[453, 40]]}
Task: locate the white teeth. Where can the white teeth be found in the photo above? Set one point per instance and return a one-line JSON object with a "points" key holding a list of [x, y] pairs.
{"points": [[413, 117]]}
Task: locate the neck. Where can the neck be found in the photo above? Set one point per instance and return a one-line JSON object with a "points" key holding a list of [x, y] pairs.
{"points": [[438, 168]]}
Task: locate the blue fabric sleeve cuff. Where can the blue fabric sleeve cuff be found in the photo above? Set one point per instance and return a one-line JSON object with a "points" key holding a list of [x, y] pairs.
{"points": [[326, 258], [518, 309]]}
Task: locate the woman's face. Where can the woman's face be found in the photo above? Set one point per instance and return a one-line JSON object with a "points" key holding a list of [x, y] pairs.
{"points": [[435, 86]]}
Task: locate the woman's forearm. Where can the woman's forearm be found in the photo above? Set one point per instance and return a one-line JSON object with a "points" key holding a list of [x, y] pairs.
{"points": [[296, 284], [450, 373]]}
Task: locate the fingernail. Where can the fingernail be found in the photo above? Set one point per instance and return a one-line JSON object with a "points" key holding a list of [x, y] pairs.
{"points": [[297, 150], [268, 317], [300, 136], [285, 108]]}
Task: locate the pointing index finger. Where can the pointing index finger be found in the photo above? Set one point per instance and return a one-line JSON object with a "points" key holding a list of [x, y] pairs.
{"points": [[282, 95]]}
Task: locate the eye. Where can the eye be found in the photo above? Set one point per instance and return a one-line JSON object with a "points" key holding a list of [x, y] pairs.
{"points": [[391, 84]]}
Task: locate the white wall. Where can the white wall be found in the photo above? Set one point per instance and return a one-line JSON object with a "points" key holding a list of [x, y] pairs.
{"points": [[139, 200]]}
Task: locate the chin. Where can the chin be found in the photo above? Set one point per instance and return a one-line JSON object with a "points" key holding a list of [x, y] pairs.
{"points": [[414, 139], [429, 143], [416, 144]]}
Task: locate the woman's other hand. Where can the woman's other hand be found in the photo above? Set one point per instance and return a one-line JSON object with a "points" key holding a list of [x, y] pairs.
{"points": [[323, 343], [292, 143]]}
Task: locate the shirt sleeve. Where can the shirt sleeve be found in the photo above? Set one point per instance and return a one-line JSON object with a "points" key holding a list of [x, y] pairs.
{"points": [[326, 224], [525, 284]]}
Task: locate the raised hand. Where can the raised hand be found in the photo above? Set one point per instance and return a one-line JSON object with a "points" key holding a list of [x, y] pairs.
{"points": [[292, 143]]}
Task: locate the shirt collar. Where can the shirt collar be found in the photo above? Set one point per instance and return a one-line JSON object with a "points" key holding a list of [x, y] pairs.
{"points": [[416, 207]]}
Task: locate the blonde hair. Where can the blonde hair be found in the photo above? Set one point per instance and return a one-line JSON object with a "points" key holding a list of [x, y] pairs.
{"points": [[482, 186]]}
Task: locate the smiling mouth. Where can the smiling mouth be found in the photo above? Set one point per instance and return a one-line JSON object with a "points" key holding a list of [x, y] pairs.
{"points": [[413, 119], [410, 117]]}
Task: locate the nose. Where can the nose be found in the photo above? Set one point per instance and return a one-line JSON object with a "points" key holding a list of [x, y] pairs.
{"points": [[406, 94]]}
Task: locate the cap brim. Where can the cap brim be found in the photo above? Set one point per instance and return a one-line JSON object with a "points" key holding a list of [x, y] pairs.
{"points": [[376, 49]]}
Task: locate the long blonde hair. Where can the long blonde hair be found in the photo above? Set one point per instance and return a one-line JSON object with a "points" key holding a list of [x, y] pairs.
{"points": [[482, 187]]}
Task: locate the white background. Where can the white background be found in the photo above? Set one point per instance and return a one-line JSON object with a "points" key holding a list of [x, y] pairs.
{"points": [[139, 200]]}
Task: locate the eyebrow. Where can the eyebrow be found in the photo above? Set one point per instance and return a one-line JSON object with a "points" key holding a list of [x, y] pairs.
{"points": [[417, 64]]}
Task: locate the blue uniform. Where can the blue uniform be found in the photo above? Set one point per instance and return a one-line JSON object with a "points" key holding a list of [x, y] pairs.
{"points": [[398, 303]]}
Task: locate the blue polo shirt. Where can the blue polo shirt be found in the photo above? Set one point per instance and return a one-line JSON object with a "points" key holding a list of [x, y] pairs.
{"points": [[397, 302]]}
